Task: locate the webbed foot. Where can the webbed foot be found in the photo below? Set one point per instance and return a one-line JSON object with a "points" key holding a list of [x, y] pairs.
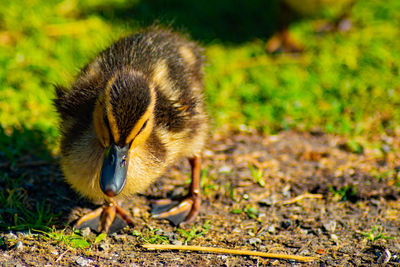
{"points": [[186, 209], [104, 219], [175, 211]]}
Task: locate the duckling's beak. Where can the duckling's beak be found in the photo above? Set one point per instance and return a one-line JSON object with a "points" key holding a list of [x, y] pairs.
{"points": [[114, 169]]}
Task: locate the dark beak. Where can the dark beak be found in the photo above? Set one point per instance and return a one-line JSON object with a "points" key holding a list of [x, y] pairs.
{"points": [[113, 172]]}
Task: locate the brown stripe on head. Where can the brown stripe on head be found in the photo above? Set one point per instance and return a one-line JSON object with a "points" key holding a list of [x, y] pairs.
{"points": [[111, 119], [128, 100], [144, 125], [102, 130]]}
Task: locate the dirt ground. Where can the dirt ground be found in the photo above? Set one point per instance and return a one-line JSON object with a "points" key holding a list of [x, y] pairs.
{"points": [[308, 195]]}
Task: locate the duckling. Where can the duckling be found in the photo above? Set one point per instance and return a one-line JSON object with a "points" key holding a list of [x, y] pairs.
{"points": [[131, 113]]}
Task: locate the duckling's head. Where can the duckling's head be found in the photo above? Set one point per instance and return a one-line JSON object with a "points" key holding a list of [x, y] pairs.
{"points": [[123, 119]]}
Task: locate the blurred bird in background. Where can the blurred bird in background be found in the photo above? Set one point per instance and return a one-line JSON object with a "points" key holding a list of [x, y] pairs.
{"points": [[282, 41]]}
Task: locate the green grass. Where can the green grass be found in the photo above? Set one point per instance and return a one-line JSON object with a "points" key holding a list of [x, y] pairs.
{"points": [[151, 236], [376, 233], [344, 83], [194, 232], [258, 175], [17, 212], [72, 239], [347, 192]]}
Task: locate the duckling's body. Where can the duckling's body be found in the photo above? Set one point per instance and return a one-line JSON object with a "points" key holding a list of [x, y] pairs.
{"points": [[143, 94]]}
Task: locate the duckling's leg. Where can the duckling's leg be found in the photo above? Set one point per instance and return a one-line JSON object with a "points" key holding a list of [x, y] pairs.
{"points": [[186, 209], [104, 217]]}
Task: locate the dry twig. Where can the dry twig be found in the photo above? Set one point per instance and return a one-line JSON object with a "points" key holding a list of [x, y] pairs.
{"points": [[230, 251], [301, 197], [62, 255]]}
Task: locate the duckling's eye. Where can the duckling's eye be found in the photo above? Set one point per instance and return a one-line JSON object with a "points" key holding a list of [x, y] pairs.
{"points": [[141, 129], [144, 125]]}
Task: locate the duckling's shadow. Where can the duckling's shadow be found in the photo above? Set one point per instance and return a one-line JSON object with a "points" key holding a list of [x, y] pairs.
{"points": [[34, 195], [162, 196]]}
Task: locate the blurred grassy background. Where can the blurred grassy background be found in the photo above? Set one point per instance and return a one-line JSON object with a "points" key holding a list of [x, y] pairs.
{"points": [[344, 83]]}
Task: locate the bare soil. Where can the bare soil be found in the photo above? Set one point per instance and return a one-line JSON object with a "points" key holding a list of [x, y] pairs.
{"points": [[319, 199]]}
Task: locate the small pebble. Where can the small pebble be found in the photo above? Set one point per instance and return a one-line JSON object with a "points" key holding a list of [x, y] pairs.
{"points": [[171, 236], [208, 153], [271, 229], [286, 191], [104, 246], [236, 230], [19, 246], [273, 138], [5, 255], [305, 252], [384, 258], [345, 25], [85, 232], [223, 257], [395, 258], [136, 211], [293, 263], [243, 128], [254, 241], [318, 231], [268, 201], [54, 252], [225, 169], [386, 148], [304, 231], [275, 262], [330, 226], [376, 202], [177, 242], [118, 237], [335, 238], [81, 261]]}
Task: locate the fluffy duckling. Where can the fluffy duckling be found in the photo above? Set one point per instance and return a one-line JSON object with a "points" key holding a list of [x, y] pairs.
{"points": [[130, 114]]}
